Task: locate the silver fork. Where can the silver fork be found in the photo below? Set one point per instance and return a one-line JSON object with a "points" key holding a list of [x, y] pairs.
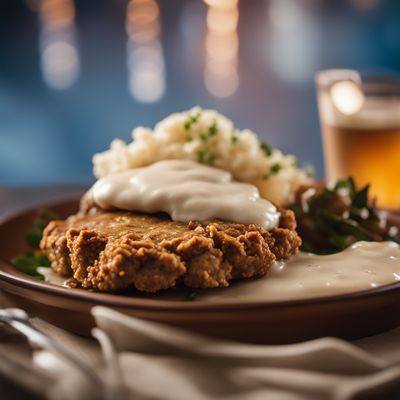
{"points": [[19, 320]]}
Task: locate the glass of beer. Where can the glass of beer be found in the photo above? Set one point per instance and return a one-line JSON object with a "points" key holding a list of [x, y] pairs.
{"points": [[360, 123]]}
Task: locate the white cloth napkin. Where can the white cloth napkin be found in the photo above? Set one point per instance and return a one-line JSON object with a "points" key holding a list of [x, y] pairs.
{"points": [[145, 360]]}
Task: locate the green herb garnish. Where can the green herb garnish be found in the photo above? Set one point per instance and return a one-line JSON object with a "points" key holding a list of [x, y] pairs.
{"points": [[203, 137], [29, 261], [205, 156], [213, 129], [266, 148], [234, 139], [191, 119], [274, 169], [34, 235], [331, 219]]}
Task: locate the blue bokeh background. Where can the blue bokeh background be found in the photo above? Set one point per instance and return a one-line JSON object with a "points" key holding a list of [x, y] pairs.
{"points": [[49, 136]]}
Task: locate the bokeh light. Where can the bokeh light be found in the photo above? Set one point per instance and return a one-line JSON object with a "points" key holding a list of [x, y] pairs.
{"points": [[144, 51], [59, 54], [221, 75]]}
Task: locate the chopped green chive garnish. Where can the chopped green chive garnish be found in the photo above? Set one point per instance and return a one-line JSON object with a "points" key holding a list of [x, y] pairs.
{"points": [[266, 148], [191, 119], [205, 156], [275, 168], [213, 129], [234, 139], [203, 137]]}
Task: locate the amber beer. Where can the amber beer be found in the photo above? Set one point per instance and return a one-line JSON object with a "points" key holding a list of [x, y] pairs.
{"points": [[370, 156], [361, 136]]}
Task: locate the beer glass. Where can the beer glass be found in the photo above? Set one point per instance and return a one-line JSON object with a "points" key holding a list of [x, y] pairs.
{"points": [[360, 123]]}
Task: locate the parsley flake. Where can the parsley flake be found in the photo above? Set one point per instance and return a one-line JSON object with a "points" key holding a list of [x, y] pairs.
{"points": [[191, 119], [275, 168], [213, 129], [205, 156], [203, 137], [266, 148]]}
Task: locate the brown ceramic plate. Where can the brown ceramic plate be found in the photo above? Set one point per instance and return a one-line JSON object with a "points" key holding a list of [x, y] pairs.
{"points": [[349, 316]]}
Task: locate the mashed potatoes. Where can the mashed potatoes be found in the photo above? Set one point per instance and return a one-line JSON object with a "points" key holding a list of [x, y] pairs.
{"points": [[210, 138]]}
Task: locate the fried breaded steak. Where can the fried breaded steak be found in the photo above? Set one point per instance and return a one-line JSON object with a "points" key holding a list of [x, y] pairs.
{"points": [[112, 250]]}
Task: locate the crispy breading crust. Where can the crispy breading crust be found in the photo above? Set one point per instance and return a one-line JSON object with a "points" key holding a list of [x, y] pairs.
{"points": [[110, 251]]}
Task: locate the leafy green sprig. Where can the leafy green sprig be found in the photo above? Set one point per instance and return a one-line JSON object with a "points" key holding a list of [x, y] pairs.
{"points": [[332, 218], [34, 235], [29, 261]]}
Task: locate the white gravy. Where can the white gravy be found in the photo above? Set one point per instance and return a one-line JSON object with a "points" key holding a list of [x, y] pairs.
{"points": [[186, 190], [365, 265]]}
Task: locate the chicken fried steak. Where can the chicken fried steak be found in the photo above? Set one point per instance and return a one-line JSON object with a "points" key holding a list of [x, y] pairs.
{"points": [[115, 250]]}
